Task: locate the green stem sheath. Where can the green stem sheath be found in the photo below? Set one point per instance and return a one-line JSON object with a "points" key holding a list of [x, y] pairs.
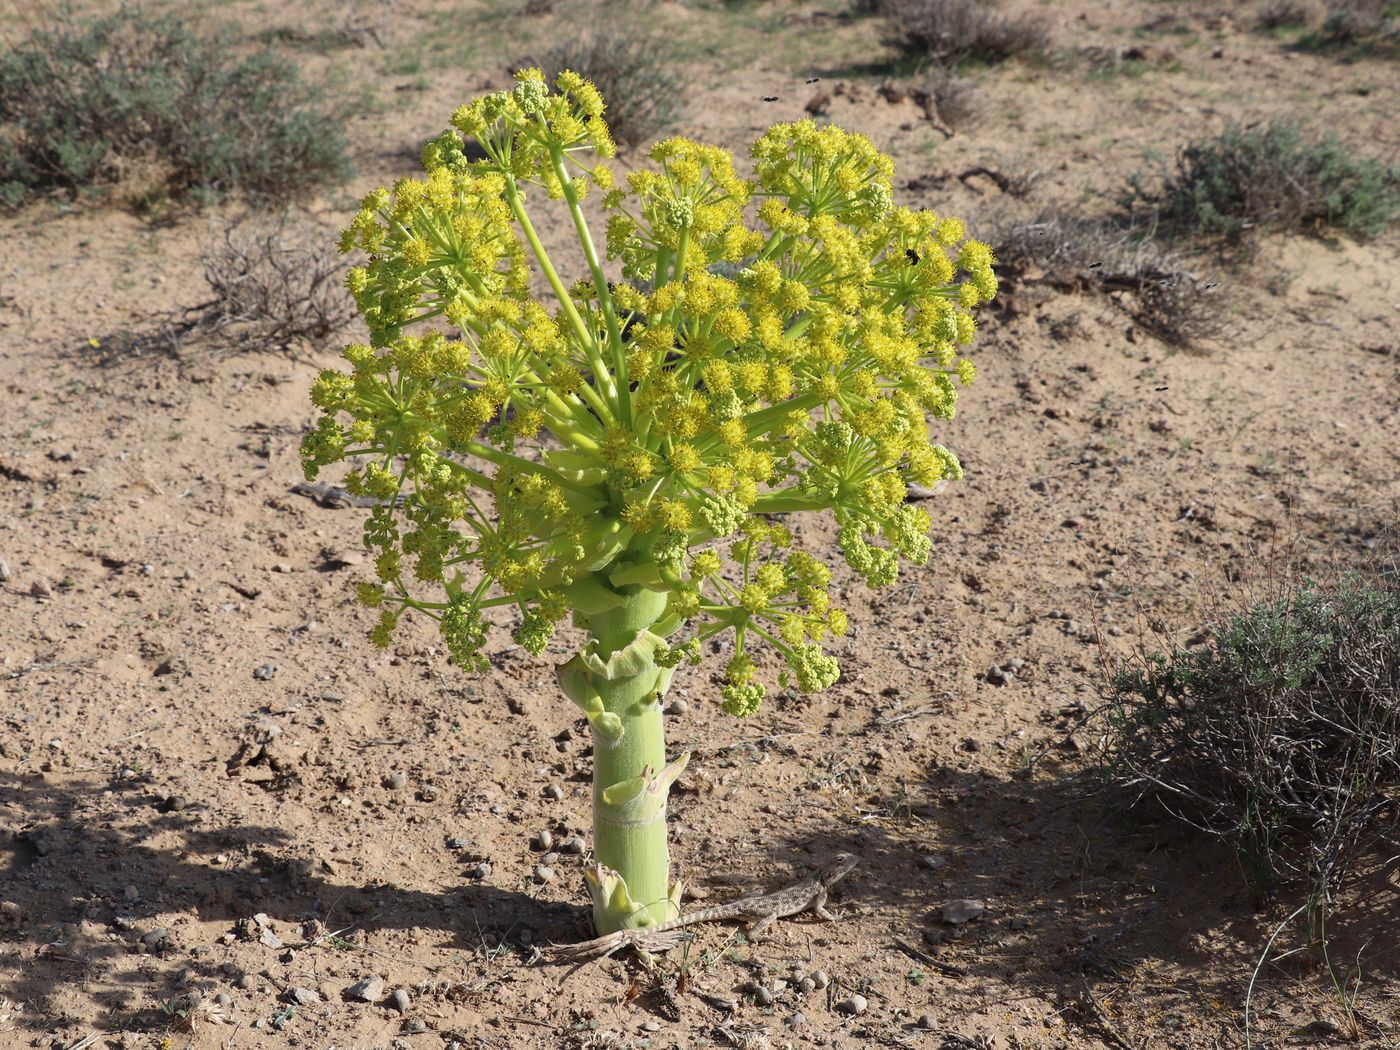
{"points": [[619, 686]]}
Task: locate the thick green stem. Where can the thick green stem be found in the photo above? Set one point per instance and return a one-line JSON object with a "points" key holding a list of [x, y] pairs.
{"points": [[617, 683]]}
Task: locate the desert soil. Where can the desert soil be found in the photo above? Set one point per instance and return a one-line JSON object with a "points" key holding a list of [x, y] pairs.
{"points": [[221, 808]]}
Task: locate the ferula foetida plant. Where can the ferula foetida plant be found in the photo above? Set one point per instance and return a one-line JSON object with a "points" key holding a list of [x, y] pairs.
{"points": [[625, 450]]}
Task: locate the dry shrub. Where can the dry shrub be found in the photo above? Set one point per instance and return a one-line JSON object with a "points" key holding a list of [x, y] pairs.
{"points": [[1152, 284], [1287, 14], [277, 281], [631, 67], [949, 31], [1350, 23], [956, 99], [1280, 735]]}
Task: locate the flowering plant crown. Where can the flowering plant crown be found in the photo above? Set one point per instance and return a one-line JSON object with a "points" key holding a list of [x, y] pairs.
{"points": [[767, 346]]}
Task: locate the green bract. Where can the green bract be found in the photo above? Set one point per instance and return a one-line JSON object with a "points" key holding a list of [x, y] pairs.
{"points": [[620, 453]]}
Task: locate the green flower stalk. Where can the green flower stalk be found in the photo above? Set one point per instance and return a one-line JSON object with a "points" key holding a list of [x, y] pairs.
{"points": [[624, 450]]}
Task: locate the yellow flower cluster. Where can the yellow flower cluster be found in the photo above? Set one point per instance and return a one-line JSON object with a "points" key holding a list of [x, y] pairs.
{"points": [[775, 345]]}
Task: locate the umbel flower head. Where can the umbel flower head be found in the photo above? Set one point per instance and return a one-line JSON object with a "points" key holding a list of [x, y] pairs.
{"points": [[769, 345]]}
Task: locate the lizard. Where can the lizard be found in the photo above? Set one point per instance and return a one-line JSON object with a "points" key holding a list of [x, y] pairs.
{"points": [[760, 911]]}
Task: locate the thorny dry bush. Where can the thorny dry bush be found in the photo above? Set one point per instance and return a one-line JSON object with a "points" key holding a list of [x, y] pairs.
{"points": [[276, 281], [949, 31], [1072, 253], [1280, 735]]}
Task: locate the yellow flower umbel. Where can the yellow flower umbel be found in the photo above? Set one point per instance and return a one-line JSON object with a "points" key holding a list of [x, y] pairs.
{"points": [[619, 452]]}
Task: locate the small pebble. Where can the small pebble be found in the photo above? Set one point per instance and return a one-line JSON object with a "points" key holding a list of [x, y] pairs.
{"points": [[542, 873], [677, 707], [283, 567], [806, 985], [224, 1000], [853, 1005], [396, 781], [551, 857], [415, 1026], [554, 792], [481, 871], [269, 938], [401, 1000], [926, 1022], [427, 793], [264, 672], [304, 996], [819, 978], [960, 911], [574, 845], [458, 842], [370, 990], [157, 936], [542, 841], [40, 588], [4, 571], [933, 861], [764, 997]]}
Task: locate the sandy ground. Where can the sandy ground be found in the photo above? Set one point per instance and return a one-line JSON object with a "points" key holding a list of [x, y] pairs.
{"points": [[198, 790]]}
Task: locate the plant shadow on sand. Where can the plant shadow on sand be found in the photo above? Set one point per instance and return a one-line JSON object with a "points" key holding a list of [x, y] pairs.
{"points": [[78, 924], [1086, 903], [1079, 899]]}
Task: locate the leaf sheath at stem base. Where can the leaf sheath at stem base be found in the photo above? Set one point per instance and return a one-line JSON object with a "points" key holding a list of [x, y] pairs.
{"points": [[619, 686]]}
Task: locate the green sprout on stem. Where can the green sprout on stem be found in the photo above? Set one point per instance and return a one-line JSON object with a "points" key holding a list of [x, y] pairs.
{"points": [[623, 451]]}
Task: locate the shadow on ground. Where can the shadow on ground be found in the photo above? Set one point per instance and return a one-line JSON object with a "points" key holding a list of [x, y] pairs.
{"points": [[1078, 898]]}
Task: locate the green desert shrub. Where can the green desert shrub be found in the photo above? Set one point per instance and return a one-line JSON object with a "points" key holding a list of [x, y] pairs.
{"points": [[1281, 734], [88, 102], [1269, 176]]}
